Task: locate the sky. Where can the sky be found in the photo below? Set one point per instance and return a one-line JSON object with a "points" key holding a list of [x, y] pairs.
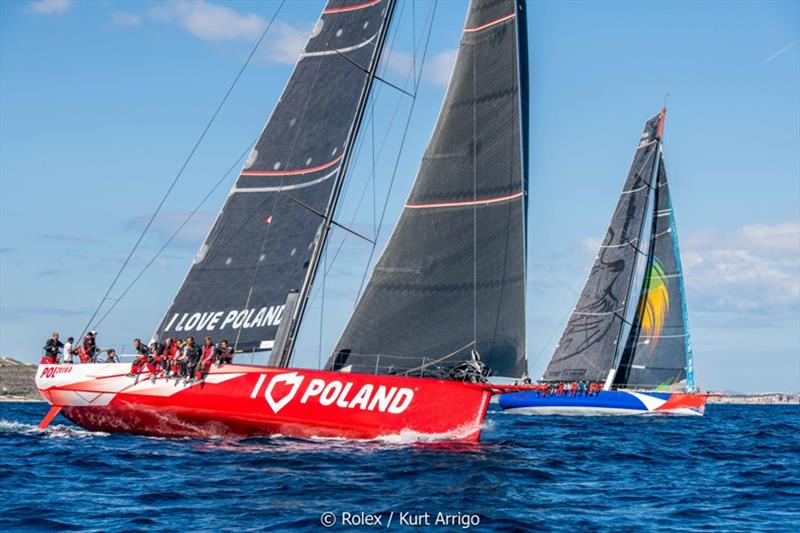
{"points": [[101, 102]]}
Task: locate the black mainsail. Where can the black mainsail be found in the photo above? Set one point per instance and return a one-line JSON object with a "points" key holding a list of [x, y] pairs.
{"points": [[451, 279], [263, 248], [658, 353], [590, 345]]}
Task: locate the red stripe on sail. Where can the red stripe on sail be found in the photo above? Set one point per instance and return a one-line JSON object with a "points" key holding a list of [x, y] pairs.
{"points": [[491, 23], [291, 172], [351, 8], [484, 201]]}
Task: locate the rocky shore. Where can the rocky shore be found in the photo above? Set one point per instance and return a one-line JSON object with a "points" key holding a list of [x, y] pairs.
{"points": [[17, 381]]}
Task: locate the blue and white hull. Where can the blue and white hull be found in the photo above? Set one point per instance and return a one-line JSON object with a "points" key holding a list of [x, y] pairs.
{"points": [[604, 403]]}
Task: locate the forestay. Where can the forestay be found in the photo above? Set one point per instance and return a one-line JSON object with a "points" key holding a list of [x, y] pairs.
{"points": [[263, 241], [658, 352], [589, 344], [452, 277]]}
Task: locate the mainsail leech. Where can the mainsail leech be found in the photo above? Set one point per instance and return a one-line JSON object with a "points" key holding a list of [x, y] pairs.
{"points": [[451, 279]]}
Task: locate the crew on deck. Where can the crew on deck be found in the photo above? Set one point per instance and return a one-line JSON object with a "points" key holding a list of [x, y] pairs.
{"points": [[571, 388], [69, 351], [174, 358], [87, 351], [224, 353], [142, 356], [111, 356], [52, 349]]}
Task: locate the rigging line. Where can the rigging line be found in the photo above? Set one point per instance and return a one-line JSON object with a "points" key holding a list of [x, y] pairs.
{"points": [[416, 45], [628, 322], [400, 151], [361, 68], [322, 310], [184, 165], [451, 354], [360, 140], [372, 173], [322, 215], [382, 66], [325, 227], [174, 234], [474, 198], [414, 39], [366, 184]]}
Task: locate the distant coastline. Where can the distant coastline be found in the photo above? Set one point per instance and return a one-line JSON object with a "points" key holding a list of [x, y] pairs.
{"points": [[762, 398]]}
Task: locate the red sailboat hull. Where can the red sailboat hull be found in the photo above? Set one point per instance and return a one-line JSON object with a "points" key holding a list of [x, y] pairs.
{"points": [[241, 400]]}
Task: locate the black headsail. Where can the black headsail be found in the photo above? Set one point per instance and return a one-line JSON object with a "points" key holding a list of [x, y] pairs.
{"points": [[452, 276], [265, 242], [658, 353], [589, 346]]}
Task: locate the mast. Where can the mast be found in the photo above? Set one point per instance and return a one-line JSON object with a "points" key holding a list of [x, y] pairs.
{"points": [[651, 190], [524, 98], [285, 354], [449, 286]]}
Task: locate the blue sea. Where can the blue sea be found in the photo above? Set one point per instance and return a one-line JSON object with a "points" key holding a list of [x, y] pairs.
{"points": [[736, 469]]}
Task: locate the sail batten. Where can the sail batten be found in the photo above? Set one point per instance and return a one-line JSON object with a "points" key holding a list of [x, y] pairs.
{"points": [[263, 243], [451, 279]]}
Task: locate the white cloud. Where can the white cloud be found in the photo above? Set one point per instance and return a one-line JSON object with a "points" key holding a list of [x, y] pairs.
{"points": [[210, 21], [592, 245], [214, 22], [398, 62], [120, 18], [437, 69], [440, 66], [755, 267], [285, 42], [49, 6]]}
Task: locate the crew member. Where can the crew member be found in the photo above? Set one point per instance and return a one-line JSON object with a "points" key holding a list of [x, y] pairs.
{"points": [[88, 349], [224, 353], [51, 350], [176, 358], [142, 354], [168, 355], [207, 357], [156, 360], [111, 356], [69, 350], [191, 358]]}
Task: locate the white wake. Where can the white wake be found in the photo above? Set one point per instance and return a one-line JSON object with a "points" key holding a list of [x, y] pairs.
{"points": [[56, 431]]}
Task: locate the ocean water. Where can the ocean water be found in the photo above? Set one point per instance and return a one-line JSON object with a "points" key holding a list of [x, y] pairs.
{"points": [[736, 469]]}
